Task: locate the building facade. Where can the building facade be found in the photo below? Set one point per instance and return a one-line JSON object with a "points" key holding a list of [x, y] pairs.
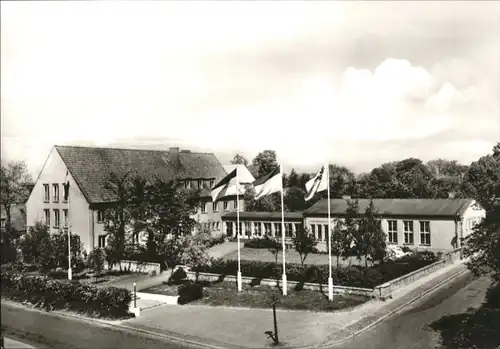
{"points": [[436, 225], [424, 224], [87, 169]]}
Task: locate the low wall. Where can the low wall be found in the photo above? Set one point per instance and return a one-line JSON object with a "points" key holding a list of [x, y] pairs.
{"points": [[138, 267], [382, 291], [273, 283]]}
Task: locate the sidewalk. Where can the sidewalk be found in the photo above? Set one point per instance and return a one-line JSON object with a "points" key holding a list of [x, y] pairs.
{"points": [[12, 344], [244, 328]]}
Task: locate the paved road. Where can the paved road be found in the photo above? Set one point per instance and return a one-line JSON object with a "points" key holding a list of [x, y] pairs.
{"points": [[410, 328], [54, 332]]}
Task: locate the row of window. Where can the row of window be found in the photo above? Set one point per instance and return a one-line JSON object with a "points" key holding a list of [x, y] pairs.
{"points": [[200, 183], [211, 226], [321, 232], [260, 229], [215, 206], [57, 217], [55, 192]]}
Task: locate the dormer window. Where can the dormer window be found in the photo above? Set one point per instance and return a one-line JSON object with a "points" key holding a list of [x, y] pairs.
{"points": [[200, 183], [187, 184], [212, 182]]}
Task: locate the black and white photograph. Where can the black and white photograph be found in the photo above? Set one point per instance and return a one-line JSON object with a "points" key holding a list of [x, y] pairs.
{"points": [[250, 174]]}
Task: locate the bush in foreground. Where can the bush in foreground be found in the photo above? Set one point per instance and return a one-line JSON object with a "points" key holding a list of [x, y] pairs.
{"points": [[189, 292], [51, 294]]}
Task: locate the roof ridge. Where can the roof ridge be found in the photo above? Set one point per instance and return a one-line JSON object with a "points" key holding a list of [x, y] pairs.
{"points": [[133, 149]]}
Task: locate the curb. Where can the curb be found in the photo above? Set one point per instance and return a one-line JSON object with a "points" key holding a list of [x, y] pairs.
{"points": [[392, 312], [108, 323]]}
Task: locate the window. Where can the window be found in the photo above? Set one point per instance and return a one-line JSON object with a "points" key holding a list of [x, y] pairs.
{"points": [[277, 229], [188, 184], [235, 205], [203, 207], [101, 214], [217, 225], [46, 193], [229, 228], [298, 227], [200, 183], [325, 229], [212, 182], [47, 217], [102, 241], [225, 205], [257, 227], [55, 198], [393, 232], [408, 227], [288, 230], [320, 233], [65, 217], [268, 230], [248, 228], [215, 207], [425, 233], [65, 193], [57, 218], [238, 229], [313, 230], [2, 223]]}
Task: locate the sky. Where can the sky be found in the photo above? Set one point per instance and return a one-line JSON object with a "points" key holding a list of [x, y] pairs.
{"points": [[352, 83]]}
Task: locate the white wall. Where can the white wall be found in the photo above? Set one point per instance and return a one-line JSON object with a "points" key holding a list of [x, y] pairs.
{"points": [[54, 171]]}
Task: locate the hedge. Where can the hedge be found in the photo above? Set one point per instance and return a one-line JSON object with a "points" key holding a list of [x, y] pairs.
{"points": [[51, 294], [354, 276], [189, 292]]}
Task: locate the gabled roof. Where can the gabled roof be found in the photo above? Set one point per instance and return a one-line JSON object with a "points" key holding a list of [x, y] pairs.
{"points": [[90, 167], [395, 207], [245, 177]]}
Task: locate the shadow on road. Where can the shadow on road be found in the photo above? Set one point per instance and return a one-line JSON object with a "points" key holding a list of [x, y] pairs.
{"points": [[477, 328]]}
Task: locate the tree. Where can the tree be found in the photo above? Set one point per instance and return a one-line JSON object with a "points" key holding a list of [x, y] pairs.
{"points": [[95, 260], [265, 162], [195, 254], [294, 199], [305, 243], [484, 176], [342, 181], [483, 244], [31, 241], [13, 187], [239, 160], [118, 216], [340, 241], [268, 203], [275, 247]]}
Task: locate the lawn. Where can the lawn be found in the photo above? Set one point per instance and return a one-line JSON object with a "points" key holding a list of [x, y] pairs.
{"points": [[263, 255], [226, 294]]}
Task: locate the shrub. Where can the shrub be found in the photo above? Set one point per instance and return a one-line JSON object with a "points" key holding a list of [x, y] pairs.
{"points": [[406, 249], [52, 294], [178, 276], [189, 292], [95, 260], [354, 276], [260, 243]]}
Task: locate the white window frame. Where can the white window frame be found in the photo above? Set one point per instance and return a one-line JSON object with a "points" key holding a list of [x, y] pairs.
{"points": [[203, 207], [46, 193], [320, 232], [425, 233], [392, 231], [57, 218], [101, 214], [277, 229], [409, 232], [257, 227], [65, 216], [101, 241], [46, 213], [225, 205], [215, 206], [289, 230], [55, 197], [235, 203], [268, 228], [248, 228]]}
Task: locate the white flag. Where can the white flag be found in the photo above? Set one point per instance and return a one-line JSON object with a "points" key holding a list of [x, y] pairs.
{"points": [[317, 184]]}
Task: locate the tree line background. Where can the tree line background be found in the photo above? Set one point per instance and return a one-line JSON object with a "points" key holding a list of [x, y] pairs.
{"points": [[407, 178]]}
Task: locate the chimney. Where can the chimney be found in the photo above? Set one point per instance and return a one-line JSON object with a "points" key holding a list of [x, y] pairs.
{"points": [[451, 195], [346, 197]]}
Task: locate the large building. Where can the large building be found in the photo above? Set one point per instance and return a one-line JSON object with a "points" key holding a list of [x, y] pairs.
{"points": [[427, 224], [88, 171], [17, 213]]}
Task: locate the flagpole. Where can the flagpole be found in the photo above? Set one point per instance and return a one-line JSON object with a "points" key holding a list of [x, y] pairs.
{"points": [[238, 227], [70, 272], [330, 280], [284, 281]]}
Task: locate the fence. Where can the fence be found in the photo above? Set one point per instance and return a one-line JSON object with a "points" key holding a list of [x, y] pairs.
{"points": [[138, 267]]}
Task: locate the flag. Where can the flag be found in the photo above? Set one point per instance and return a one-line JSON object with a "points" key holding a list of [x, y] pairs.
{"points": [[66, 186], [317, 184], [269, 184], [220, 189]]}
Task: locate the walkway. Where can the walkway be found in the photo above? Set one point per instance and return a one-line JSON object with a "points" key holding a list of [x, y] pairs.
{"points": [[244, 328], [219, 251]]}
